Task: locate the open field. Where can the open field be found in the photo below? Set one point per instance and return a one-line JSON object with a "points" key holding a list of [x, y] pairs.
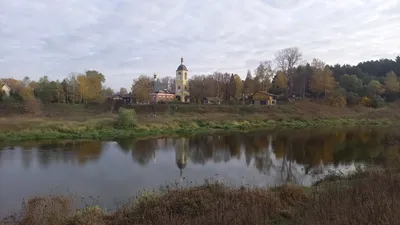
{"points": [[366, 197], [79, 121]]}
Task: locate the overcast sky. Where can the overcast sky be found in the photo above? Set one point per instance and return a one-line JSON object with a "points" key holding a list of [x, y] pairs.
{"points": [[126, 38]]}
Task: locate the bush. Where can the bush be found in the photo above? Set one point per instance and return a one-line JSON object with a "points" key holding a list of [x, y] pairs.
{"points": [[378, 102], [352, 98], [126, 118], [337, 100], [365, 101]]}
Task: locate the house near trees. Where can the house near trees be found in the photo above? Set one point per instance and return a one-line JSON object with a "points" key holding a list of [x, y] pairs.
{"points": [[263, 98], [6, 89], [160, 92]]}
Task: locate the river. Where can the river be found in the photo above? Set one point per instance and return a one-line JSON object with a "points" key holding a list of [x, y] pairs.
{"points": [[107, 173]]}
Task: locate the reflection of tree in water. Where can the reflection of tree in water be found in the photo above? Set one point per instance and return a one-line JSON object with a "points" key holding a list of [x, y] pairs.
{"points": [[144, 151], [80, 151], [126, 144], [216, 148], [200, 149]]}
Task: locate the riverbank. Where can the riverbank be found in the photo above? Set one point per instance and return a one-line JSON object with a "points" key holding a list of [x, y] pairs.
{"points": [[52, 130], [365, 197], [242, 119]]}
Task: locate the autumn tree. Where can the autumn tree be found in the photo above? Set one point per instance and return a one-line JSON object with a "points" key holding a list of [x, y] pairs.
{"points": [[322, 82], [375, 88], [141, 88], [286, 60], [238, 84], [90, 85], [391, 82], [249, 85], [281, 80], [263, 75]]}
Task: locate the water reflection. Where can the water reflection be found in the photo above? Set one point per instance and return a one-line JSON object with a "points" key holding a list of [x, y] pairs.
{"points": [[260, 150], [126, 165]]}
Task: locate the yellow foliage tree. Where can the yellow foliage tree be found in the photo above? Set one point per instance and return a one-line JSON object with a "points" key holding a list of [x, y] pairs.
{"points": [[141, 88], [90, 85], [365, 101], [337, 100], [391, 82], [322, 81], [281, 80], [238, 86]]}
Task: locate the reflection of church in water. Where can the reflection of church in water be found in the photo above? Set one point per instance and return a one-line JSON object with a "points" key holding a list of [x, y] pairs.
{"points": [[181, 154]]}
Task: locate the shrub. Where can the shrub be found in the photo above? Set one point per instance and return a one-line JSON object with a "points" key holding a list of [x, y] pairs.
{"points": [[352, 98], [365, 101], [377, 102], [126, 118], [337, 100]]}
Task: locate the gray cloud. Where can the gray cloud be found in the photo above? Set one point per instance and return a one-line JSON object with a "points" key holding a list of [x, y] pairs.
{"points": [[125, 38]]}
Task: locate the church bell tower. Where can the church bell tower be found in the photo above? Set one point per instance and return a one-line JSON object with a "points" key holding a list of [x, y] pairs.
{"points": [[182, 83]]}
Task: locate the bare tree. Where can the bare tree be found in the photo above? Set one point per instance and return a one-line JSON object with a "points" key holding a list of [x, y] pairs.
{"points": [[318, 64], [286, 60], [169, 83]]}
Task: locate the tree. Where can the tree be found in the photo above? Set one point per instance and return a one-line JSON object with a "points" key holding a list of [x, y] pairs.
{"points": [[123, 91], [238, 86], [263, 74], [197, 87], [90, 85], [374, 88], [169, 83], [351, 83], [141, 88], [44, 90], [322, 82], [249, 84], [391, 82], [318, 64], [287, 59], [26, 81], [107, 92], [281, 80]]}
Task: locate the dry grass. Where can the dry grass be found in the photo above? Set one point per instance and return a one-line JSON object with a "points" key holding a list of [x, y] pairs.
{"points": [[73, 115], [371, 198]]}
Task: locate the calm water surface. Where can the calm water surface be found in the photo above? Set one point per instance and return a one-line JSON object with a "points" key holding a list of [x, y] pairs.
{"points": [[117, 170]]}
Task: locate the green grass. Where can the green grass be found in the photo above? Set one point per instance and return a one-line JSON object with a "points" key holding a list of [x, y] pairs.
{"points": [[106, 129]]}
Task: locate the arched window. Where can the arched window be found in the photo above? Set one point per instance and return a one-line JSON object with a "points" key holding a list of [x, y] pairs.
{"points": [[179, 88], [185, 75], [186, 88]]}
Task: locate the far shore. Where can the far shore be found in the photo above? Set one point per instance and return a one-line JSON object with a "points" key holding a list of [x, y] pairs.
{"points": [[189, 120]]}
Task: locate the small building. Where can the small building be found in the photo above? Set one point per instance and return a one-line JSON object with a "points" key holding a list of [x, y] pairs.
{"points": [[211, 100], [263, 98], [127, 99], [162, 96], [6, 89], [160, 92]]}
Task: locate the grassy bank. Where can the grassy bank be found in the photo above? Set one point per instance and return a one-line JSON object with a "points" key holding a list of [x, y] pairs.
{"points": [[105, 129], [367, 197], [190, 119]]}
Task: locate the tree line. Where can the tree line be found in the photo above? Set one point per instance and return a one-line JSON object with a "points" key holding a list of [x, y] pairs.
{"points": [[370, 83]]}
